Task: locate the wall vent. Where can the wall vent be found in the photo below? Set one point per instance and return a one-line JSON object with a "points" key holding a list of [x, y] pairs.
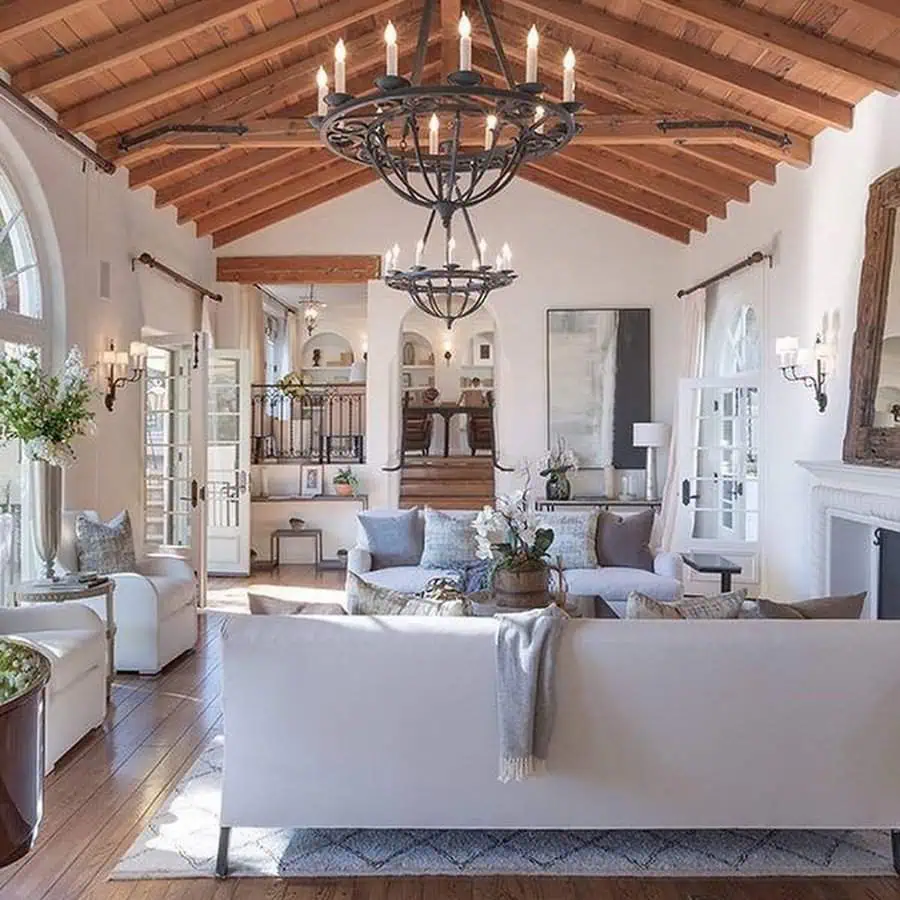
{"points": [[105, 293]]}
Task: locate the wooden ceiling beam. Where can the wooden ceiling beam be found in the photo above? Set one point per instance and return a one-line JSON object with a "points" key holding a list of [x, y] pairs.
{"points": [[605, 204], [605, 77], [343, 269], [288, 168], [290, 189], [884, 7], [19, 17], [726, 72], [633, 173], [451, 10], [790, 40], [235, 164], [689, 170], [304, 29], [167, 167], [639, 198], [358, 179], [739, 162], [172, 26]]}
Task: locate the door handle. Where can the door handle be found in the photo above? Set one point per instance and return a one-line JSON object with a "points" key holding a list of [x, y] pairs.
{"points": [[686, 495], [242, 482]]}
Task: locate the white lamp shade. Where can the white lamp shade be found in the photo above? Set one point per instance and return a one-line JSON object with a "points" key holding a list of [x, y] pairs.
{"points": [[650, 434]]}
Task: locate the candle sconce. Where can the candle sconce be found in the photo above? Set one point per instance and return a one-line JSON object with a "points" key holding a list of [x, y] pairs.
{"points": [[792, 359], [120, 368]]}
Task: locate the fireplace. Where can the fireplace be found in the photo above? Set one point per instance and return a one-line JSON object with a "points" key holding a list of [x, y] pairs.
{"points": [[888, 543]]}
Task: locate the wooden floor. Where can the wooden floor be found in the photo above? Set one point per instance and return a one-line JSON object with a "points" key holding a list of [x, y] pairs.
{"points": [[105, 790]]}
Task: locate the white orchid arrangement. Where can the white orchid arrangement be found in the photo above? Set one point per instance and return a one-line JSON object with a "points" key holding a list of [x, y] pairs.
{"points": [[45, 411], [558, 459], [511, 534]]}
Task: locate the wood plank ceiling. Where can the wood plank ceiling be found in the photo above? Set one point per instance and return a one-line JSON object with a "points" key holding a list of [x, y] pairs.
{"points": [[114, 68]]}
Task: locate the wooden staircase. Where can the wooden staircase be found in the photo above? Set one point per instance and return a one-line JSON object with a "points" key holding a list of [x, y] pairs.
{"points": [[451, 482]]}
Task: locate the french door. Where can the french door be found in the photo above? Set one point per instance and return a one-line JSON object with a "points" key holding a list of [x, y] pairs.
{"points": [[719, 471], [228, 463], [175, 448]]}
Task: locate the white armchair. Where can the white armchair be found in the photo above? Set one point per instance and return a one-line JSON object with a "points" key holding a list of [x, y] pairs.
{"points": [[73, 637], [155, 607]]}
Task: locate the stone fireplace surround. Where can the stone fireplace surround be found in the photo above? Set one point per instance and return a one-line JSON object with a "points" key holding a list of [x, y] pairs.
{"points": [[848, 503]]}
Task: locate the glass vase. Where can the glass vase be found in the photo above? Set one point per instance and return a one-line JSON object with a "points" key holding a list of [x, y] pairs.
{"points": [[558, 486]]}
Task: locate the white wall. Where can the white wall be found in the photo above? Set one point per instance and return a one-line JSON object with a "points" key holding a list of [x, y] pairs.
{"points": [[90, 217], [569, 255], [815, 221]]}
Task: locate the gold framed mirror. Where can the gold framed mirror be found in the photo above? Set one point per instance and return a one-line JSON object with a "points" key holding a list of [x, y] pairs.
{"points": [[873, 419]]}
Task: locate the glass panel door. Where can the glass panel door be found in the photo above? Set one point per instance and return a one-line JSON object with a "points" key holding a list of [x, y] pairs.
{"points": [[228, 459]]}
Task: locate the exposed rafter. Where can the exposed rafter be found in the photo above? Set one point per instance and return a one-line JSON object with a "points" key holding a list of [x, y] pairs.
{"points": [[19, 17]]}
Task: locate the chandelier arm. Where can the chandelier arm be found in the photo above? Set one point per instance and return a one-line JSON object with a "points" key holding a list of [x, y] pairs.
{"points": [[448, 236], [422, 44], [411, 195], [498, 46], [417, 149], [471, 229], [428, 225], [454, 155]]}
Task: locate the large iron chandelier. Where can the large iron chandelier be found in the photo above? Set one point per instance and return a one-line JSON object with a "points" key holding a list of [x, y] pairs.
{"points": [[446, 146], [449, 291]]}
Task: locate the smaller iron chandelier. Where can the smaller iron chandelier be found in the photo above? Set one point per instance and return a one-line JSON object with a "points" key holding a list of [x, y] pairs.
{"points": [[312, 309], [450, 291]]}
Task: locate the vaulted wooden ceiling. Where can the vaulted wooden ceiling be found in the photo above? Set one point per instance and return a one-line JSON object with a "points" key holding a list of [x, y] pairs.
{"points": [[120, 67]]}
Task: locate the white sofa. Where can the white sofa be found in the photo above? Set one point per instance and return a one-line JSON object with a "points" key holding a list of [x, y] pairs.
{"points": [[155, 607], [660, 724], [613, 583], [73, 637]]}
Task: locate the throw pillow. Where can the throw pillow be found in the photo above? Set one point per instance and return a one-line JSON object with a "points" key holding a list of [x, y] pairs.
{"points": [[847, 607], [722, 606], [449, 539], [364, 599], [625, 541], [266, 605], [574, 538], [393, 540], [105, 547]]}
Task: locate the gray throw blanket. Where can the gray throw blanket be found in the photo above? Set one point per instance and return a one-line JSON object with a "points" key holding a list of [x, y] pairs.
{"points": [[526, 667]]}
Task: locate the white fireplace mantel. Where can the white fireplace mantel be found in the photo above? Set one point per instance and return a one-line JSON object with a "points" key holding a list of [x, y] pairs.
{"points": [[840, 475]]}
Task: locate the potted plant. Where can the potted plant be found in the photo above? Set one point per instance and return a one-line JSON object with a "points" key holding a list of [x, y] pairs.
{"points": [[46, 412], [511, 536], [345, 482], [24, 673], [554, 466]]}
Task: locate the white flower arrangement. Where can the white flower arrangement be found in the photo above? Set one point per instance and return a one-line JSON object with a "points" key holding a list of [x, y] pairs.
{"points": [[511, 534], [45, 411], [558, 459], [20, 668]]}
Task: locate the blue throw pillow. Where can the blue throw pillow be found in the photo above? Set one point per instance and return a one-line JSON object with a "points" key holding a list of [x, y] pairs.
{"points": [[394, 540]]}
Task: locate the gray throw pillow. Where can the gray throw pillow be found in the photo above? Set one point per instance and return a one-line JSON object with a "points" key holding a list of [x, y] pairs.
{"points": [[625, 540], [449, 539], [574, 537], [105, 547], [848, 607], [262, 604], [722, 606], [394, 540], [364, 599]]}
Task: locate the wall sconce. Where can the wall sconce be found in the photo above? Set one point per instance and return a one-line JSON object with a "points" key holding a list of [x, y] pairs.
{"points": [[448, 351], [791, 358], [122, 368]]}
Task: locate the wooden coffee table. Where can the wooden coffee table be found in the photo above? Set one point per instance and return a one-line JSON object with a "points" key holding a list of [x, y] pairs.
{"points": [[579, 606]]}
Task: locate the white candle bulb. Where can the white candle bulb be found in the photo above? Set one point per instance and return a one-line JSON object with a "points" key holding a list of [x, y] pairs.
{"points": [[340, 67], [322, 85], [387, 261], [506, 253], [474, 264], [434, 127], [390, 41], [498, 262], [465, 43], [539, 119], [531, 56], [569, 76], [482, 251], [395, 250], [420, 249], [490, 126], [451, 246]]}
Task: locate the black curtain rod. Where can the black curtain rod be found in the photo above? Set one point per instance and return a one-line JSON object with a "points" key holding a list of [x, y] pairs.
{"points": [[753, 259], [153, 263], [33, 111]]}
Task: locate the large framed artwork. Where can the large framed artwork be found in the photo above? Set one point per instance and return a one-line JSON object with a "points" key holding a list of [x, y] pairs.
{"points": [[598, 383]]}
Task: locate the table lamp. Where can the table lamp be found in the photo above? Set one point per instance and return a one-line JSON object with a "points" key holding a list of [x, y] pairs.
{"points": [[651, 435]]}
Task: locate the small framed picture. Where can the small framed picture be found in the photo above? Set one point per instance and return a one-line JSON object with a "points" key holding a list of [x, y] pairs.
{"points": [[485, 352], [310, 481]]}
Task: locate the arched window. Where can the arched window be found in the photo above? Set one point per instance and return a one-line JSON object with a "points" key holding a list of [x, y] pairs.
{"points": [[20, 279]]}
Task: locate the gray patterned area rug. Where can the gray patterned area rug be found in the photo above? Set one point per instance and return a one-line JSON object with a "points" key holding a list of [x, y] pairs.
{"points": [[180, 842]]}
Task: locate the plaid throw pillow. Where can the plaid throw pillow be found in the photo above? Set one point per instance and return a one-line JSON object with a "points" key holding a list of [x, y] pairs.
{"points": [[722, 606], [105, 548]]}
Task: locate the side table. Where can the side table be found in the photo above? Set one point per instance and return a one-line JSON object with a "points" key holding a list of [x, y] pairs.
{"points": [[712, 563], [280, 534], [72, 591]]}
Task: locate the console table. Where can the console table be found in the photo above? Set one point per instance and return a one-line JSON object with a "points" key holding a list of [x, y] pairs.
{"points": [[605, 503]]}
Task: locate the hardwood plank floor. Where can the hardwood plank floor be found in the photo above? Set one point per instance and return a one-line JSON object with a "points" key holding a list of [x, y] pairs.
{"points": [[104, 791]]}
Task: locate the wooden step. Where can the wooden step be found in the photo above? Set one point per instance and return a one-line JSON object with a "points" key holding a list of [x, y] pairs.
{"points": [[415, 462], [482, 487]]}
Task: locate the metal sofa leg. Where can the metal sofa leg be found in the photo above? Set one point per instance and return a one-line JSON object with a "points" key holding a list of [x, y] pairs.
{"points": [[222, 857], [895, 847]]}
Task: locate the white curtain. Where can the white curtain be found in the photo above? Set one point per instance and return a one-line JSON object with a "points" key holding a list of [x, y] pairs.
{"points": [[207, 320], [693, 319], [252, 331], [293, 345]]}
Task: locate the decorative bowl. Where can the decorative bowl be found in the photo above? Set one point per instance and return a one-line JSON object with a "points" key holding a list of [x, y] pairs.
{"points": [[296, 523]]}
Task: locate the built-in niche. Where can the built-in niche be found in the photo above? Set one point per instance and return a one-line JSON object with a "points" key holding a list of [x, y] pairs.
{"points": [[327, 359], [417, 362]]}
